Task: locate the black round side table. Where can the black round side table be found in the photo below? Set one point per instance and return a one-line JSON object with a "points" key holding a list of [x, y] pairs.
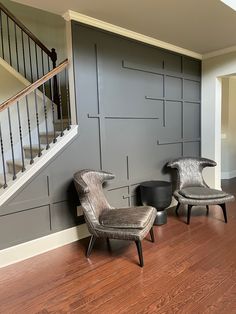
{"points": [[159, 195]]}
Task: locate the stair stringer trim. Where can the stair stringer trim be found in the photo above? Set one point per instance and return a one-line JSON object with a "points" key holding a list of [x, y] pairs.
{"points": [[17, 75], [39, 162]]}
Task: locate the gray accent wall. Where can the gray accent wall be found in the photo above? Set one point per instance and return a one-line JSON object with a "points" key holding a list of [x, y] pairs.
{"points": [[137, 107]]}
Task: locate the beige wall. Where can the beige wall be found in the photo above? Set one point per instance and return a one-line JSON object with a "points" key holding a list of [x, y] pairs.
{"points": [[228, 143], [212, 72], [49, 28]]}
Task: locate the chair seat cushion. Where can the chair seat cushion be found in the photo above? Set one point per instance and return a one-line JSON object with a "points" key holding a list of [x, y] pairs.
{"points": [[202, 193], [127, 218]]}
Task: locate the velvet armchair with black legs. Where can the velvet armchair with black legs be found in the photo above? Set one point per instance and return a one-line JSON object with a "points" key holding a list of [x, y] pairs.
{"points": [[192, 190], [106, 222]]}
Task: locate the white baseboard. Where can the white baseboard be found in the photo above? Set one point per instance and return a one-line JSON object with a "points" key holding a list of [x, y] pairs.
{"points": [[44, 244], [228, 174], [41, 245]]}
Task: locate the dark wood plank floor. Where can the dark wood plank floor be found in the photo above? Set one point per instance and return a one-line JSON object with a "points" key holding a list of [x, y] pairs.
{"points": [[190, 269]]}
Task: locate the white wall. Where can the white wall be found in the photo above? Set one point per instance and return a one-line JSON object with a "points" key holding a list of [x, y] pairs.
{"points": [[212, 71], [228, 142]]}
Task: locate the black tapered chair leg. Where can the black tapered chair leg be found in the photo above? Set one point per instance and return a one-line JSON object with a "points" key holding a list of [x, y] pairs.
{"points": [[90, 246], [189, 214], [108, 244], [177, 209], [140, 252], [223, 206], [152, 235], [207, 207]]}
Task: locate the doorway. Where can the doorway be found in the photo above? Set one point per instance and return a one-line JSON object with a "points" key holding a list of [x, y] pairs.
{"points": [[228, 127]]}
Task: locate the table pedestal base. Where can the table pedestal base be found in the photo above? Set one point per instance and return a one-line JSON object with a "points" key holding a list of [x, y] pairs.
{"points": [[161, 218]]}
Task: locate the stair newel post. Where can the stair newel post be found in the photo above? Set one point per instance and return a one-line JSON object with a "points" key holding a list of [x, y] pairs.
{"points": [[67, 99], [11, 143], [20, 134], [55, 83], [3, 159]]}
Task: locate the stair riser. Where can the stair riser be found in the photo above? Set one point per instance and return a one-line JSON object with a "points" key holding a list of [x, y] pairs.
{"points": [[28, 153], [18, 168], [58, 127], [43, 139]]}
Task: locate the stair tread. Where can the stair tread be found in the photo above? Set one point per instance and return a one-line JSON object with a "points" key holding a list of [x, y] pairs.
{"points": [[63, 120], [50, 133]]}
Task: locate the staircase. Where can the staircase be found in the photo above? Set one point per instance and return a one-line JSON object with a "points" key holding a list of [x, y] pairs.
{"points": [[35, 123]]}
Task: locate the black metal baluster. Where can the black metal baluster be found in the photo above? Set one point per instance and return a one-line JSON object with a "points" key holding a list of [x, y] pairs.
{"points": [[1, 17], [21, 141], [36, 59], [60, 103], [53, 110], [67, 99], [55, 85], [45, 115], [37, 121], [23, 52], [48, 86], [3, 159], [11, 143], [48, 64], [16, 45], [30, 60], [42, 62], [29, 129], [9, 41]]}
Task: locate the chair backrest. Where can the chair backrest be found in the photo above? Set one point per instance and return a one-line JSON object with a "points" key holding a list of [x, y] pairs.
{"points": [[88, 184], [190, 171]]}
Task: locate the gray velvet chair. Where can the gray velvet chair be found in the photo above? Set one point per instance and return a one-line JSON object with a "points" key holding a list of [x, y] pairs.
{"points": [[192, 190], [106, 222]]}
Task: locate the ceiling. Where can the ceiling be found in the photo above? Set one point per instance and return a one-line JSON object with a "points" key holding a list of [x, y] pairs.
{"points": [[202, 26]]}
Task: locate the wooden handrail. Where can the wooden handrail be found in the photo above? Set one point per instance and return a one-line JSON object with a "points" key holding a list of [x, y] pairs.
{"points": [[27, 90], [25, 29]]}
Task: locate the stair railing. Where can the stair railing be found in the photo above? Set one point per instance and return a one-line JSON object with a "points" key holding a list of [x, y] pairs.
{"points": [[20, 48], [27, 122]]}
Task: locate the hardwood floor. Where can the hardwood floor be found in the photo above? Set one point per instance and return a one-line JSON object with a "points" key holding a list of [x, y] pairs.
{"points": [[189, 269]]}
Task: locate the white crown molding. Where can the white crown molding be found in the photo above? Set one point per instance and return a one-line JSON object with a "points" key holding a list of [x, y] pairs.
{"points": [[219, 52], [41, 245], [39, 162], [71, 15]]}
